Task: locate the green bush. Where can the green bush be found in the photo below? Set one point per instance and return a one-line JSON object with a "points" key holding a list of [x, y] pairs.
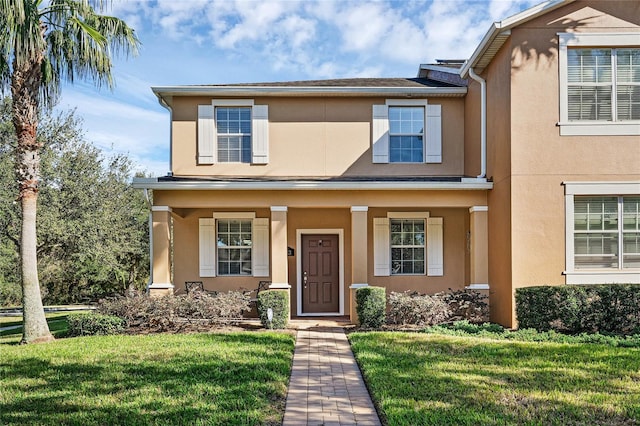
{"points": [[495, 331], [278, 301], [371, 306], [609, 309], [93, 324]]}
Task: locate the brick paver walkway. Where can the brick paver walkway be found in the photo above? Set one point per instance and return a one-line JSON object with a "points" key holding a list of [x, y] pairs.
{"points": [[326, 387]]}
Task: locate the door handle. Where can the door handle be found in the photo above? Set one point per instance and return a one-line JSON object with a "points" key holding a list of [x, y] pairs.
{"points": [[304, 279]]}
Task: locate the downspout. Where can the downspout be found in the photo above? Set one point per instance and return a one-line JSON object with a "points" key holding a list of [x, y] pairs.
{"points": [[483, 123], [146, 197]]}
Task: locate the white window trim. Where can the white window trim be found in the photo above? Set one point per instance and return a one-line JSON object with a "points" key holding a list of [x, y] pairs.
{"points": [[333, 231], [595, 276], [240, 103], [595, 128], [407, 103]]}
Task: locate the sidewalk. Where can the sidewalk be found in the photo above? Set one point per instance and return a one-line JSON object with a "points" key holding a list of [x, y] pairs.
{"points": [[326, 387]]}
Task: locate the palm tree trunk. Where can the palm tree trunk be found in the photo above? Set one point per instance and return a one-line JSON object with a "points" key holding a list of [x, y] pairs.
{"points": [[35, 327], [25, 84]]}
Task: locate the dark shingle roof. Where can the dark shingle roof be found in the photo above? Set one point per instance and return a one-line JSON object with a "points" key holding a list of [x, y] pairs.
{"points": [[348, 82]]}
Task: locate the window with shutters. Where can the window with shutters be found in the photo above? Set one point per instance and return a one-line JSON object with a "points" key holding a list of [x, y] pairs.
{"points": [[407, 131], [600, 84], [233, 126], [233, 131], [408, 243], [234, 244]]}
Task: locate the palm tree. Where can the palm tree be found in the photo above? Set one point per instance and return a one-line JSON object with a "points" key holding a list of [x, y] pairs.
{"points": [[42, 43]]}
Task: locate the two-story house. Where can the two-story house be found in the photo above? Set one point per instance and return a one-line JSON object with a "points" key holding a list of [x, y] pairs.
{"points": [[517, 167]]}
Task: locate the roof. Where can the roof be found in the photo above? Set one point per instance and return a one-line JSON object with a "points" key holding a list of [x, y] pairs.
{"points": [[347, 82], [313, 183], [500, 31], [385, 87]]}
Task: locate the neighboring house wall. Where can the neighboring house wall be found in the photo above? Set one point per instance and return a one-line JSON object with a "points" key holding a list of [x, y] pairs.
{"points": [[530, 160], [499, 103], [317, 137]]}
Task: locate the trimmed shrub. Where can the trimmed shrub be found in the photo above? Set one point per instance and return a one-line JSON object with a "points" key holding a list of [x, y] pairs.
{"points": [[609, 309], [174, 313], [278, 301], [94, 324], [417, 309], [371, 306]]}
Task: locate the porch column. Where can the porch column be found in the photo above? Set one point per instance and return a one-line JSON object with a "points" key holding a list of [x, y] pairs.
{"points": [[161, 250], [479, 248], [279, 261], [359, 250]]}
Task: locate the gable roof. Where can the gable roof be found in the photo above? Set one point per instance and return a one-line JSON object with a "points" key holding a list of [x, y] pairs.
{"points": [[500, 31]]}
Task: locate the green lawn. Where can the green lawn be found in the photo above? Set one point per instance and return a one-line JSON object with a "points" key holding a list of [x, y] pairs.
{"points": [[57, 325], [431, 379], [208, 379]]}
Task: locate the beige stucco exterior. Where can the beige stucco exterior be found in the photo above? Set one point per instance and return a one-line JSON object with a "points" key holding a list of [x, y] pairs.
{"points": [[528, 160], [316, 137], [506, 230]]}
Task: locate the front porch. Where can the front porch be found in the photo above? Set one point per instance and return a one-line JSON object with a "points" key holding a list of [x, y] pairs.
{"points": [[320, 246]]}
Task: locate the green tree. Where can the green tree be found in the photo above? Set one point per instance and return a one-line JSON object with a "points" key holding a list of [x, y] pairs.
{"points": [[92, 225], [40, 44]]}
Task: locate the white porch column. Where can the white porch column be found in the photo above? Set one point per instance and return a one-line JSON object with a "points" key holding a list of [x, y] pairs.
{"points": [[161, 241], [479, 247], [359, 253], [279, 261]]}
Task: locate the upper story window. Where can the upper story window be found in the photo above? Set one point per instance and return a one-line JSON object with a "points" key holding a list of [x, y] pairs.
{"points": [[407, 131], [599, 84], [233, 125], [406, 134], [233, 131], [603, 84]]}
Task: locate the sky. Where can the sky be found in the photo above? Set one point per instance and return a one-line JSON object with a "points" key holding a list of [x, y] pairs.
{"points": [[239, 41]]}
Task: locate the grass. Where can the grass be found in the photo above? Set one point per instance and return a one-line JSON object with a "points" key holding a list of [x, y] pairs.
{"points": [[57, 325], [207, 379], [432, 379]]}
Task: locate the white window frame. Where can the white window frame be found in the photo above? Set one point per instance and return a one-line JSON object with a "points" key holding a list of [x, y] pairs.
{"points": [[592, 40], [423, 136], [402, 246], [594, 276], [233, 216], [218, 135]]}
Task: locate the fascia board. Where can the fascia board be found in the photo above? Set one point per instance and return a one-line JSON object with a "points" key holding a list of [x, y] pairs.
{"points": [[506, 24], [166, 92], [154, 184]]}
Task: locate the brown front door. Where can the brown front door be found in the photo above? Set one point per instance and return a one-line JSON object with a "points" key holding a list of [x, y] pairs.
{"points": [[320, 277]]}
